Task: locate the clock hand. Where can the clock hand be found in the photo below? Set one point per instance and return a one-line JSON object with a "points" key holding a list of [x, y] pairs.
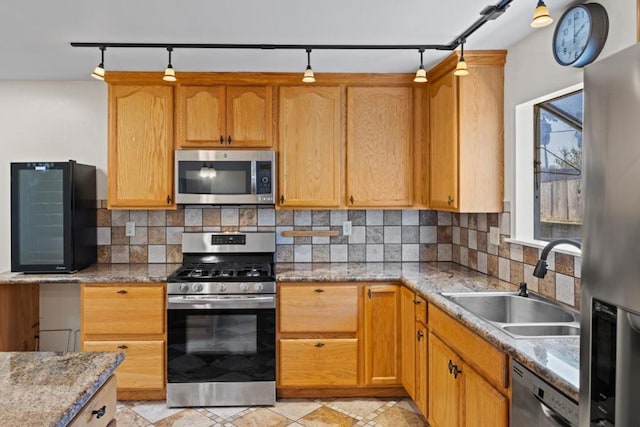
{"points": [[580, 29]]}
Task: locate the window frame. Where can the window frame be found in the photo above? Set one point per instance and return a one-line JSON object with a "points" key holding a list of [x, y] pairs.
{"points": [[522, 205]]}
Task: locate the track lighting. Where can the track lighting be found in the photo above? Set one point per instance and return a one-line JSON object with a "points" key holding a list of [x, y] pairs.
{"points": [[169, 72], [308, 76], [461, 68], [98, 72], [421, 74], [541, 16]]}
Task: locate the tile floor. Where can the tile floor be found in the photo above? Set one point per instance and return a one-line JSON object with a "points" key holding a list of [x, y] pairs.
{"points": [[286, 413]]}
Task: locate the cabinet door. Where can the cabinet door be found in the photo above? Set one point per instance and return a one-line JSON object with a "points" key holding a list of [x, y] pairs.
{"points": [[104, 400], [443, 125], [122, 310], [143, 365], [249, 116], [140, 164], [483, 405], [381, 335], [408, 339], [324, 307], [200, 116], [422, 363], [444, 389], [318, 362], [379, 146], [310, 146]]}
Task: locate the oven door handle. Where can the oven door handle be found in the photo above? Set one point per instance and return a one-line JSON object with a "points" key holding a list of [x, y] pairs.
{"points": [[182, 303]]}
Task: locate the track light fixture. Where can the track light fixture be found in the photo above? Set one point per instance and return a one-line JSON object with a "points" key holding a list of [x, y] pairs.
{"points": [[308, 76], [489, 13], [421, 74], [169, 72], [461, 68], [541, 16], [98, 72]]}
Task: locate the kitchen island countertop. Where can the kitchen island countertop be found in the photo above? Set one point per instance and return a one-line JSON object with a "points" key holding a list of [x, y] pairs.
{"points": [[49, 389]]}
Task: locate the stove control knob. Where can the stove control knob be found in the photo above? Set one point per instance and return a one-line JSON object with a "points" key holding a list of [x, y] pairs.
{"points": [[222, 288], [184, 288], [258, 287], [244, 287], [197, 287]]}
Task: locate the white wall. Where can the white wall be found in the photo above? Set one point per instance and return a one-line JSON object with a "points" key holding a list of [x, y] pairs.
{"points": [[49, 121], [531, 71]]}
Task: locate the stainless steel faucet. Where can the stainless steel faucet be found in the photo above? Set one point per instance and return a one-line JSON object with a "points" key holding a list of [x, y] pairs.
{"points": [[541, 267]]}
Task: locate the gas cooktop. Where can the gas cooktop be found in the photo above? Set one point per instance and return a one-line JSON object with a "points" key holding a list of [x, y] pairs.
{"points": [[223, 271]]}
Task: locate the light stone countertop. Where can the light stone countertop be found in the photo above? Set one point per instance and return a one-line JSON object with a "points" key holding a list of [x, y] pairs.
{"points": [[554, 359], [43, 389]]}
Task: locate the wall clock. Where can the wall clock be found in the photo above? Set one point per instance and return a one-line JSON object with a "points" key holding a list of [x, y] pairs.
{"points": [[580, 34]]}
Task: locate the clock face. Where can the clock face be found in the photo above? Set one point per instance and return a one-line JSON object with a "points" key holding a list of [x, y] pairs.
{"points": [[572, 35]]}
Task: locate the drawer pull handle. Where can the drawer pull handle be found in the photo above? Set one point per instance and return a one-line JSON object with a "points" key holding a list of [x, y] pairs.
{"points": [[420, 335], [99, 413], [123, 347], [456, 371], [451, 365], [320, 344], [417, 302], [122, 292], [319, 290]]}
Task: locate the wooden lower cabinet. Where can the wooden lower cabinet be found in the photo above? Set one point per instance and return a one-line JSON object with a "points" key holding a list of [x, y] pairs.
{"points": [[104, 401], [319, 362], [142, 367], [129, 318], [19, 316], [468, 377]]}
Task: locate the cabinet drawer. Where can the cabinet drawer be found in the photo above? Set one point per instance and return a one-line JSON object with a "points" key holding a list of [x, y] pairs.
{"points": [[104, 398], [331, 362], [143, 365], [124, 309], [421, 310], [474, 350], [319, 308]]}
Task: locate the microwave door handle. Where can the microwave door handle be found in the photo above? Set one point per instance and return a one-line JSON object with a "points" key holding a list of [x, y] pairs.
{"points": [[254, 174]]}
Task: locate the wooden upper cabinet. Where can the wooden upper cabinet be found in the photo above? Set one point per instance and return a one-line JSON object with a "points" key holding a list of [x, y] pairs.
{"points": [[140, 153], [379, 146], [310, 146], [215, 116], [466, 128]]}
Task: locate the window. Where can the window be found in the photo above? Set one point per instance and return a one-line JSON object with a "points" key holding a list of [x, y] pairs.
{"points": [[558, 186]]}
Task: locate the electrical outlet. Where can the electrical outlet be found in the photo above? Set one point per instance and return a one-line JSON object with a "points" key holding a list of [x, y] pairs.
{"points": [[130, 229], [346, 228], [494, 236]]}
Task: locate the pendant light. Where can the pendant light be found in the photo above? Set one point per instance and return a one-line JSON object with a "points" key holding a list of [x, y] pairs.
{"points": [[98, 72], [461, 68], [308, 76], [169, 72], [541, 16], [421, 74]]}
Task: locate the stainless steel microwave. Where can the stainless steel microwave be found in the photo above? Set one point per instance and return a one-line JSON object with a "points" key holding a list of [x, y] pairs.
{"points": [[229, 177]]}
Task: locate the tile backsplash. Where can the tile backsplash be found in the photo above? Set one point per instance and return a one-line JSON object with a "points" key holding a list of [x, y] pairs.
{"points": [[377, 236]]}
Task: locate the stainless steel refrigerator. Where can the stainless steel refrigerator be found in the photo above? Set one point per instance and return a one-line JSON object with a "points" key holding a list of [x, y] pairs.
{"points": [[610, 314]]}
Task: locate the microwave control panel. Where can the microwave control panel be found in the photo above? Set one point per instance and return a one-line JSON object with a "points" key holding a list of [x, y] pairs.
{"points": [[263, 178]]}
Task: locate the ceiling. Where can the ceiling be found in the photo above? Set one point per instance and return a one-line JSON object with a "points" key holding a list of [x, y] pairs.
{"points": [[35, 34]]}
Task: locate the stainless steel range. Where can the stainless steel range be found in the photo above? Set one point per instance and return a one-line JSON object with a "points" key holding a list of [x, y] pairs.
{"points": [[221, 321]]}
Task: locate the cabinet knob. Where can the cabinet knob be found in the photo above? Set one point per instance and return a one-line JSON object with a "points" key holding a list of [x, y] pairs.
{"points": [[351, 199], [122, 292], [451, 365], [456, 371], [420, 335], [320, 344], [99, 413], [449, 200], [319, 290], [229, 140], [168, 200], [282, 199], [123, 347], [416, 302], [221, 140]]}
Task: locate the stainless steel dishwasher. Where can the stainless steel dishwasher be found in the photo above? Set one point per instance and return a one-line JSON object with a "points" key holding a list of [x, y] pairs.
{"points": [[536, 403]]}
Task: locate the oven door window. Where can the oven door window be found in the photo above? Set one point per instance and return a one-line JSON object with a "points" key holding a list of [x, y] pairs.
{"points": [[221, 345], [214, 177]]}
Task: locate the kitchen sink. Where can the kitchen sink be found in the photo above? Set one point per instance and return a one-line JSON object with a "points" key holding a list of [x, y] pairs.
{"points": [[520, 317]]}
